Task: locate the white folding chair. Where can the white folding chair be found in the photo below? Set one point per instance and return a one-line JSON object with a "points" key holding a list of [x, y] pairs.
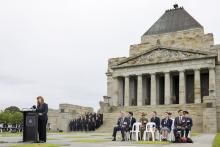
{"points": [[127, 136], [135, 130], [150, 129], [1, 127], [171, 135]]}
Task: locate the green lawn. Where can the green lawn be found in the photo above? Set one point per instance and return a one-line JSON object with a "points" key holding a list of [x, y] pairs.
{"points": [[9, 134], [36, 145], [193, 134], [152, 142], [91, 140], [216, 142], [2, 141]]}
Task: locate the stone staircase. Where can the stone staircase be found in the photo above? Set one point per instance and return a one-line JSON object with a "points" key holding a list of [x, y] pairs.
{"points": [[110, 119]]}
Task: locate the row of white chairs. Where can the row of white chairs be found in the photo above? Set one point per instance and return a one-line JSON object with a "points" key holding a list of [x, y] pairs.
{"points": [[150, 130]]}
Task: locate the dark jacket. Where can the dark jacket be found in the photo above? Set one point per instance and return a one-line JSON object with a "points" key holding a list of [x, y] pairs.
{"points": [[42, 112], [131, 122], [123, 122], [180, 123], [166, 123], [156, 120], [189, 123]]}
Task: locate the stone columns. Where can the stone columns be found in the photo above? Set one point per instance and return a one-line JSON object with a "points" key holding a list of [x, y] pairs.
{"points": [[182, 87], [127, 91], [212, 82], [153, 95], [140, 91], [115, 100], [167, 89], [197, 86]]}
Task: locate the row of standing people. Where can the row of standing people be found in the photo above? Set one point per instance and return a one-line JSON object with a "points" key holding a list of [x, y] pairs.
{"points": [[87, 122], [182, 123]]}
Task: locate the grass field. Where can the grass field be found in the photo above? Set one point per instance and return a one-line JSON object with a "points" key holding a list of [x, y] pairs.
{"points": [[216, 142], [91, 140], [36, 145]]}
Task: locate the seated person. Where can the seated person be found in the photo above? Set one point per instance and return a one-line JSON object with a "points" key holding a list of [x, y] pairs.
{"points": [[143, 120], [166, 125], [156, 120], [189, 123], [122, 123], [132, 120], [179, 125]]}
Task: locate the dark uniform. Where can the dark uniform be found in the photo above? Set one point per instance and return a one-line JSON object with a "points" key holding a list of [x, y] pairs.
{"points": [[42, 121], [156, 120], [143, 120], [189, 124]]}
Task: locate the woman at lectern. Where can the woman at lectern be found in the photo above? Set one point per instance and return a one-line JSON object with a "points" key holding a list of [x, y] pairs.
{"points": [[42, 109]]}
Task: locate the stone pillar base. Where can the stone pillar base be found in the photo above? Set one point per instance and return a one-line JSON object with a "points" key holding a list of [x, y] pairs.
{"points": [[209, 115]]}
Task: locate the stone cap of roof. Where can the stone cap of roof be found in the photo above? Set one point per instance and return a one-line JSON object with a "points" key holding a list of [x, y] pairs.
{"points": [[173, 20]]}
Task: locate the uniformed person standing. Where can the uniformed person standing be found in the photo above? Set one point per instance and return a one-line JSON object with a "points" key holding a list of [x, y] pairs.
{"points": [[143, 120]]}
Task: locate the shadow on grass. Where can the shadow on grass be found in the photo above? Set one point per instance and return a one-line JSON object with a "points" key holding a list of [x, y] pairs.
{"points": [[3, 141]]}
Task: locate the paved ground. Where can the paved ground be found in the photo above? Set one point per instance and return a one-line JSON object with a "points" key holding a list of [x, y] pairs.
{"points": [[102, 140]]}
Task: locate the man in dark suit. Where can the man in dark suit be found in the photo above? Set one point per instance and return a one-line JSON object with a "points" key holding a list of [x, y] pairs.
{"points": [[156, 120], [189, 123], [122, 123], [132, 120], [179, 124]]}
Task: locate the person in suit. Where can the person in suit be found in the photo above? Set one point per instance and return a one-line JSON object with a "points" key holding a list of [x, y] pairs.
{"points": [[122, 123], [189, 123], [180, 123], [42, 109], [143, 120], [166, 125], [132, 120], [155, 119]]}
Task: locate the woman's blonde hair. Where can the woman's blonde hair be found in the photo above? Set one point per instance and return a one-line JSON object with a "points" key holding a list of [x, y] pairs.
{"points": [[42, 99]]}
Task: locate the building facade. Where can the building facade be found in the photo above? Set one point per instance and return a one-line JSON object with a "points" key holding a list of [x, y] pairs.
{"points": [[176, 65], [59, 119]]}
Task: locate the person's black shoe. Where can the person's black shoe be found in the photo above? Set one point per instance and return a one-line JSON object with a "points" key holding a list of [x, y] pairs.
{"points": [[41, 141], [123, 140], [113, 139]]}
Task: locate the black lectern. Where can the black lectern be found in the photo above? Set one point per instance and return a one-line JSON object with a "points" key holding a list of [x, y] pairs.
{"points": [[30, 127]]}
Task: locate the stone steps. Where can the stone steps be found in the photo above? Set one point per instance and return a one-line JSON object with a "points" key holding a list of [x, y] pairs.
{"points": [[109, 121], [195, 110]]}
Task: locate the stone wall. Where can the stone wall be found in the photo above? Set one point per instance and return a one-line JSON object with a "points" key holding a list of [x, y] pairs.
{"points": [[217, 69], [59, 119], [187, 39]]}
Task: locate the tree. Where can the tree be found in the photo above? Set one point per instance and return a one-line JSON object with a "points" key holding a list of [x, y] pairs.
{"points": [[12, 109], [11, 115]]}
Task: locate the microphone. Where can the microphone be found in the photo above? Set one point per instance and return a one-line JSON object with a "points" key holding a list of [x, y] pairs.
{"points": [[33, 107]]}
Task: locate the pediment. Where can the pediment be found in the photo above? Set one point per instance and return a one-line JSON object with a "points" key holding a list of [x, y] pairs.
{"points": [[160, 55]]}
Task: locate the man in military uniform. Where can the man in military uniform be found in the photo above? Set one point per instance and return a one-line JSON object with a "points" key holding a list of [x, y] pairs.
{"points": [[189, 123], [143, 120]]}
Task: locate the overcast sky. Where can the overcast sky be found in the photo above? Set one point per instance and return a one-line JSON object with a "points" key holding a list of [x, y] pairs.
{"points": [[59, 48]]}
